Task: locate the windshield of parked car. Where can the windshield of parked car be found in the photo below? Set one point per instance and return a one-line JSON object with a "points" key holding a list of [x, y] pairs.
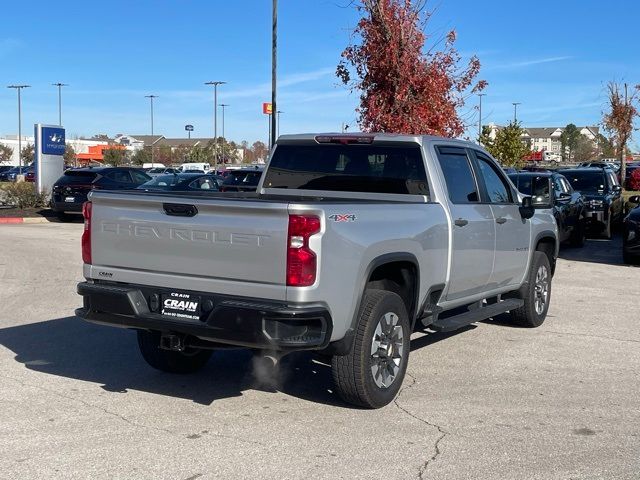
{"points": [[593, 182], [348, 168]]}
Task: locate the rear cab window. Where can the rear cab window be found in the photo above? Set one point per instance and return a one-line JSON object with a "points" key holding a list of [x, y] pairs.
{"points": [[368, 168]]}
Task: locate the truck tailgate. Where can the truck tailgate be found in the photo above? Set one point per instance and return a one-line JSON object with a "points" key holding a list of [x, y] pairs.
{"points": [[227, 240]]}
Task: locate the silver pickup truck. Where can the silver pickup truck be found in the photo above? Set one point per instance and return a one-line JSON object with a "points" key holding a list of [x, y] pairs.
{"points": [[349, 244]]}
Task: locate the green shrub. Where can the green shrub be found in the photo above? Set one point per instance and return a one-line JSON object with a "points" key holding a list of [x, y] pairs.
{"points": [[24, 195]]}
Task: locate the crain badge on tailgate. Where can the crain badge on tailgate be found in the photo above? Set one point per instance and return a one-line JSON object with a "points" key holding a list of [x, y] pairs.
{"points": [[343, 217]]}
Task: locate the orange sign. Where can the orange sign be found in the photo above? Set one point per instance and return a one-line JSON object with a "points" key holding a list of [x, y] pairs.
{"points": [[267, 108]]}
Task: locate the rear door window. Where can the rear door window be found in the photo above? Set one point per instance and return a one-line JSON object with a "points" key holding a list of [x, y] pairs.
{"points": [[120, 176], [456, 168], [349, 168]]}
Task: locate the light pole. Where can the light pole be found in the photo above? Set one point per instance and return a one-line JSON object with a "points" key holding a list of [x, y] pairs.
{"points": [[19, 88], [279, 112], [224, 139], [151, 97], [60, 85], [480, 95], [215, 120], [223, 105], [274, 64], [515, 111]]}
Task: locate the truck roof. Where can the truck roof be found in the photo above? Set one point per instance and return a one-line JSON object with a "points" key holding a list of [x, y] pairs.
{"points": [[377, 137]]}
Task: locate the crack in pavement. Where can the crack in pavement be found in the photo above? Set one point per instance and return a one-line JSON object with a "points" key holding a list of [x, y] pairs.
{"points": [[125, 419], [443, 432]]}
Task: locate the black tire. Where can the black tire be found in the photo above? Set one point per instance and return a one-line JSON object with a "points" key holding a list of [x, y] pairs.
{"points": [[352, 373], [189, 361], [578, 235], [529, 315]]}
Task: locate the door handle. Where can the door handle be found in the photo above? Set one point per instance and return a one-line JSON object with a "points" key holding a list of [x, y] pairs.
{"points": [[501, 220], [461, 222]]}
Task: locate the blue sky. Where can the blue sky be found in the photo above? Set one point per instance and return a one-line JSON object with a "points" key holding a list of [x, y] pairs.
{"points": [[553, 58]]}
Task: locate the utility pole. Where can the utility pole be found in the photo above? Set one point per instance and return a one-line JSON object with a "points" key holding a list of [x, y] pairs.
{"points": [[279, 112], [480, 95], [623, 165], [269, 144], [19, 88], [274, 64], [515, 111], [345, 127], [60, 85], [224, 138], [151, 97], [215, 121]]}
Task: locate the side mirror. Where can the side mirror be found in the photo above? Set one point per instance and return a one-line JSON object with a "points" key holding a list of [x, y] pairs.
{"points": [[564, 196], [526, 209], [617, 188]]}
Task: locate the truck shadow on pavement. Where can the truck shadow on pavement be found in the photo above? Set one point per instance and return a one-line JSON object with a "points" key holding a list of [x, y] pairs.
{"points": [[596, 250], [69, 347]]}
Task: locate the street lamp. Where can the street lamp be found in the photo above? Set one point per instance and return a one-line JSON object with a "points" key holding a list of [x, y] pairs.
{"points": [[480, 116], [223, 105], [151, 97], [274, 64], [60, 85], [515, 111], [279, 112], [215, 119], [19, 88]]}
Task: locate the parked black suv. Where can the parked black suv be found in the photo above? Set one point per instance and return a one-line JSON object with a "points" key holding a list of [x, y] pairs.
{"points": [[551, 188], [603, 197], [71, 189]]}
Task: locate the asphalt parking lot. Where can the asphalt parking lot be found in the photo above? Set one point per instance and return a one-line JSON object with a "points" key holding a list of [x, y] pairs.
{"points": [[487, 402]]}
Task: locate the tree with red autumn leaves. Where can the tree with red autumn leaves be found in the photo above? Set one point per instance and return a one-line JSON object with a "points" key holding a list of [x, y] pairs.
{"points": [[402, 88]]}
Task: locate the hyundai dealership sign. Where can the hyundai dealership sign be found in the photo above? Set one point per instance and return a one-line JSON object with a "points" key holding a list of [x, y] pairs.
{"points": [[53, 140], [49, 151]]}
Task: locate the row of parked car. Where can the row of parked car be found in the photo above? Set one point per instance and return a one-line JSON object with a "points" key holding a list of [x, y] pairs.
{"points": [[585, 200], [71, 189]]}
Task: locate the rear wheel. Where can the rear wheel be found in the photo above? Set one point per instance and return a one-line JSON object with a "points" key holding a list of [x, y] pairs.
{"points": [[536, 293], [371, 374], [189, 361]]}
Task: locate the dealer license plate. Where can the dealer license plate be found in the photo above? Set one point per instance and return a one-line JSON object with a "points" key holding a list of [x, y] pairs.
{"points": [[70, 199], [181, 305]]}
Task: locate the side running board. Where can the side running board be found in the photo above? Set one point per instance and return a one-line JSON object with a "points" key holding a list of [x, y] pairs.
{"points": [[462, 320]]}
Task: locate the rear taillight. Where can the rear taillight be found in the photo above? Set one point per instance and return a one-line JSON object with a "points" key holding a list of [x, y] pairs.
{"points": [[301, 260], [86, 234]]}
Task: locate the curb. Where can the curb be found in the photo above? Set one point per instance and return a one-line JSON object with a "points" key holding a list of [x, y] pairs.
{"points": [[16, 220]]}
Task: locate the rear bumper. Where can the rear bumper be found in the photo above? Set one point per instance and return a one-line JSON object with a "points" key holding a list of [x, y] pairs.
{"points": [[253, 323], [61, 206]]}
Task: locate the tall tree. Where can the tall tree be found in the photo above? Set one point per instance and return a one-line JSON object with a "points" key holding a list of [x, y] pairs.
{"points": [[508, 146], [141, 156], [618, 119], [6, 152], [606, 147], [569, 141], [115, 156], [402, 88], [27, 155], [69, 155], [260, 150], [585, 150]]}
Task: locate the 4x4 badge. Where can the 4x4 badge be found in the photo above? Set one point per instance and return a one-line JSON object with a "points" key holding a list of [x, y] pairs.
{"points": [[343, 217]]}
